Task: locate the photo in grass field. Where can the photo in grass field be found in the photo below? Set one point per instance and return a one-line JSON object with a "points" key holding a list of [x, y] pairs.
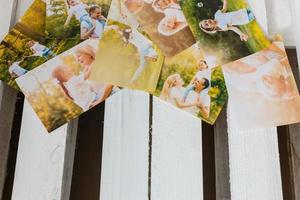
{"points": [[60, 90], [70, 22], [190, 84], [127, 58], [262, 89], [17, 56], [162, 20], [226, 30]]}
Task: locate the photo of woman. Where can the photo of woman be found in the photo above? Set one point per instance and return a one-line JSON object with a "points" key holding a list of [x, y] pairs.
{"points": [[225, 29], [263, 81]]}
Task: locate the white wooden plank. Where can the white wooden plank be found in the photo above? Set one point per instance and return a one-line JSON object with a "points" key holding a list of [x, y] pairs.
{"points": [[253, 155], [40, 161], [280, 20], [125, 147], [41, 157], [176, 154], [296, 17]]}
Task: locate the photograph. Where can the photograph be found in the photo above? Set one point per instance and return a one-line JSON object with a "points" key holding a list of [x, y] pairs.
{"points": [[190, 84], [262, 89], [70, 22], [127, 58], [20, 50], [225, 29], [60, 89], [162, 20]]}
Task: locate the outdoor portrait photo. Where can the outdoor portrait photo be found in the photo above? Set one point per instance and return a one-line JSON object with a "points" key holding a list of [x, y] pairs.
{"points": [[162, 20], [127, 58], [225, 29], [60, 89], [69, 22], [190, 84], [262, 85], [17, 49]]}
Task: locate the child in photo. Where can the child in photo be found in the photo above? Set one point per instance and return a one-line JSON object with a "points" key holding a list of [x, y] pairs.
{"points": [[174, 19], [79, 10], [40, 50], [15, 70], [225, 21], [144, 47], [84, 93]]}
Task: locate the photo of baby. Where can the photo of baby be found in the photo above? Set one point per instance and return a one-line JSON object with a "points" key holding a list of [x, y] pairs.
{"points": [[162, 20], [60, 89], [263, 85], [190, 84], [225, 29], [20, 50], [127, 58]]}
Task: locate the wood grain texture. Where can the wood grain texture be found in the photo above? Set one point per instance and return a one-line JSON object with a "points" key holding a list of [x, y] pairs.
{"points": [[125, 147], [176, 155], [253, 154]]}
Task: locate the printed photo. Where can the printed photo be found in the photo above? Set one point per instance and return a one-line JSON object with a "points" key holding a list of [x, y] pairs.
{"points": [[190, 84], [60, 90], [20, 50], [225, 29], [127, 58], [262, 89], [69, 22], [162, 20]]}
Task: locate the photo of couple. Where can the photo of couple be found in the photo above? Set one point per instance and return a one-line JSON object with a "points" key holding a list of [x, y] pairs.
{"points": [[127, 58], [20, 50], [225, 29], [190, 84], [263, 85], [61, 89], [162, 20]]}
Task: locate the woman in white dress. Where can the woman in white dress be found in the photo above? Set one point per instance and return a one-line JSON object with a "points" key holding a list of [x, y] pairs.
{"points": [[228, 21]]}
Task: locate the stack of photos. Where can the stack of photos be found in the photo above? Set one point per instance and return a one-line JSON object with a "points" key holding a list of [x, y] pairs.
{"points": [[262, 89], [60, 90], [189, 83], [67, 56], [17, 50], [47, 29]]}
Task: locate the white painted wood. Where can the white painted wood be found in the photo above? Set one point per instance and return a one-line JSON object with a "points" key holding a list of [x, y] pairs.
{"points": [[41, 156], [295, 4], [254, 154], [280, 20], [7, 12], [125, 147], [176, 154], [40, 160]]}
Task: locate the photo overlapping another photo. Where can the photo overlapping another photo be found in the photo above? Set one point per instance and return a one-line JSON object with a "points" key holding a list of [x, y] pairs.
{"points": [[190, 84], [127, 58], [60, 89], [226, 30], [162, 20], [262, 89]]}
